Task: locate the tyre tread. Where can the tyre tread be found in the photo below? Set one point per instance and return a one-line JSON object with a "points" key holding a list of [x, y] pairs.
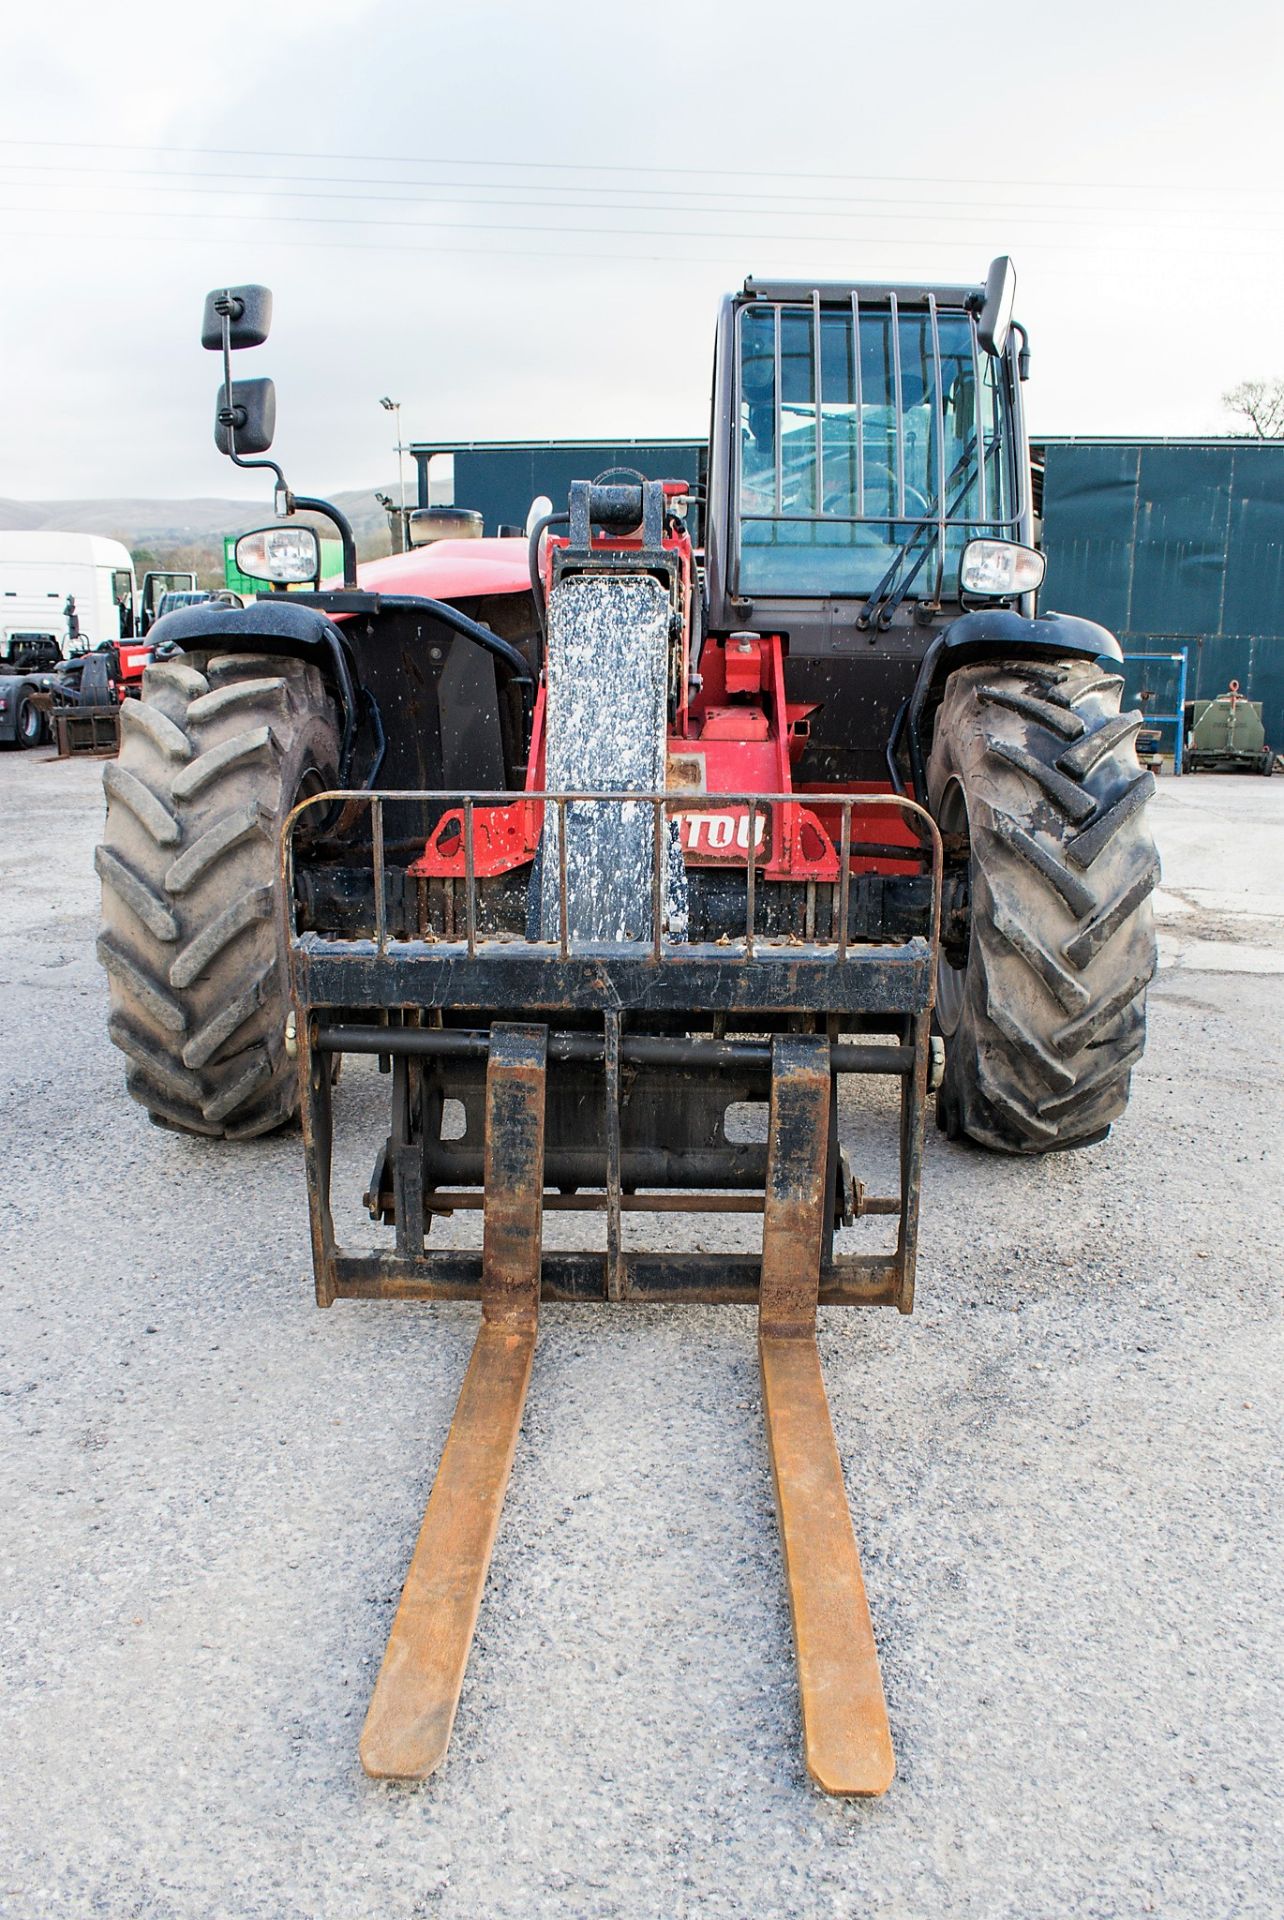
{"points": [[190, 941], [1052, 1016]]}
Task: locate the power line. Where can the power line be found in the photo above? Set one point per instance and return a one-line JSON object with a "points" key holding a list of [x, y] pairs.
{"points": [[289, 185], [444, 193], [791, 240], [569, 166], [790, 243]]}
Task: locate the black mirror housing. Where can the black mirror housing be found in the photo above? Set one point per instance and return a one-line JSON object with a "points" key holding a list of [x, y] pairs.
{"points": [[249, 316], [253, 417], [995, 319]]}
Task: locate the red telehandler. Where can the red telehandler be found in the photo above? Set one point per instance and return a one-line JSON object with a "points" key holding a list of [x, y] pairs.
{"points": [[593, 836]]}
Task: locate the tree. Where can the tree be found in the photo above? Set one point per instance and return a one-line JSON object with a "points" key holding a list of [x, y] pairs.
{"points": [[1261, 403]]}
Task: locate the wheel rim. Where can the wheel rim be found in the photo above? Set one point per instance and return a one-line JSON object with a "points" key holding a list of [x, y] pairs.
{"points": [[28, 724], [951, 981], [312, 781]]}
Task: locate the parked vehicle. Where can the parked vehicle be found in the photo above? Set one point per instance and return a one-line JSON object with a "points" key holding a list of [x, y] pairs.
{"points": [[1226, 735], [175, 598], [63, 595]]}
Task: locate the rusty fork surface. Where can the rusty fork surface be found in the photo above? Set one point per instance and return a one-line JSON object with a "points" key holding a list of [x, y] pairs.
{"points": [[846, 1739], [412, 1712], [847, 1743]]}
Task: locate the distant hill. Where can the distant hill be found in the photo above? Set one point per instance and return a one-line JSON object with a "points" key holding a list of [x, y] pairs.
{"points": [[186, 533]]}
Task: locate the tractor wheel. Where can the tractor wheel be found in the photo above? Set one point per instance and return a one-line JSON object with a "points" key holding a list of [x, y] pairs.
{"points": [[212, 756], [1035, 783]]}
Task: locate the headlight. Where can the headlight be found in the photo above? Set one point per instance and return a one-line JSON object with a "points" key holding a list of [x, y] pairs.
{"points": [[285, 555], [1000, 569]]}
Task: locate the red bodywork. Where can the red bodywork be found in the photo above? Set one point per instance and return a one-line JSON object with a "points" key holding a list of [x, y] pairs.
{"points": [[738, 734], [449, 570], [131, 658]]}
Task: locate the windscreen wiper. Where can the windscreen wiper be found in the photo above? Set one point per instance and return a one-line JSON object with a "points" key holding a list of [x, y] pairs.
{"points": [[885, 599]]}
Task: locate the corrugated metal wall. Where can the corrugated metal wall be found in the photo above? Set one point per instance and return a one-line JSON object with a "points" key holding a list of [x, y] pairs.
{"points": [[1175, 545], [501, 482]]}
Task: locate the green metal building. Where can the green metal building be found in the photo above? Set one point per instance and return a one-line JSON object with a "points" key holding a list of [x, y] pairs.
{"points": [[1174, 545], [500, 478]]}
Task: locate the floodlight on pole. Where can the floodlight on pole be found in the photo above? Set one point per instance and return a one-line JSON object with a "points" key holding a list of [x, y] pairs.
{"points": [[394, 406]]}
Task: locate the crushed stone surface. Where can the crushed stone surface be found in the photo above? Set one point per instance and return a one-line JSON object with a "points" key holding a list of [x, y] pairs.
{"points": [[1064, 1472]]}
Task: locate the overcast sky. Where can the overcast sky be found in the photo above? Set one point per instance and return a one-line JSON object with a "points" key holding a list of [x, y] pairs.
{"points": [[517, 220]]}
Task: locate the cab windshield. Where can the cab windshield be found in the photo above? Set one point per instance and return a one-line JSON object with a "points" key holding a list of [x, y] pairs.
{"points": [[846, 455]]}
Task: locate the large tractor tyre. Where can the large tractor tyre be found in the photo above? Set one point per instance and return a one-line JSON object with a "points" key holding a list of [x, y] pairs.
{"points": [[212, 756], [1041, 995]]}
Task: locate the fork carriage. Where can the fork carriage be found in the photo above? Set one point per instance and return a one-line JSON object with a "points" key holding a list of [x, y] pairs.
{"points": [[634, 1028], [561, 1052]]}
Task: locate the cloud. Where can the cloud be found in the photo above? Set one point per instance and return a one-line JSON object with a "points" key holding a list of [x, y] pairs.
{"points": [[495, 296]]}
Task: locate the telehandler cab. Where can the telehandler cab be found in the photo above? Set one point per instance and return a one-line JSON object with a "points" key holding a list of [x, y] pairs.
{"points": [[594, 836]]}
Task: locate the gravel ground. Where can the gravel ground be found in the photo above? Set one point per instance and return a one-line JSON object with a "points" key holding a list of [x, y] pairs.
{"points": [[1064, 1473]]}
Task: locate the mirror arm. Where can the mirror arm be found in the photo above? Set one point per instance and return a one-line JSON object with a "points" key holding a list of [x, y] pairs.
{"points": [[231, 310], [1023, 358], [341, 521], [269, 465]]}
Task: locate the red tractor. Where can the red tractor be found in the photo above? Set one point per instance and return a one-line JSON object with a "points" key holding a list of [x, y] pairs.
{"points": [[594, 836]]}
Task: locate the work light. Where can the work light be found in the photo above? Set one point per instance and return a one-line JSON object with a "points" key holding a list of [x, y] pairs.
{"points": [[1000, 569]]}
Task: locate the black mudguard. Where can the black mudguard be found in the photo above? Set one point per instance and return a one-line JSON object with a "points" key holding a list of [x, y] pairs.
{"points": [[987, 633], [271, 625]]}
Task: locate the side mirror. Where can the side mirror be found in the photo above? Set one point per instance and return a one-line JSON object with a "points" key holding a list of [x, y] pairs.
{"points": [[285, 556], [248, 312], [996, 309], [250, 416], [429, 524]]}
